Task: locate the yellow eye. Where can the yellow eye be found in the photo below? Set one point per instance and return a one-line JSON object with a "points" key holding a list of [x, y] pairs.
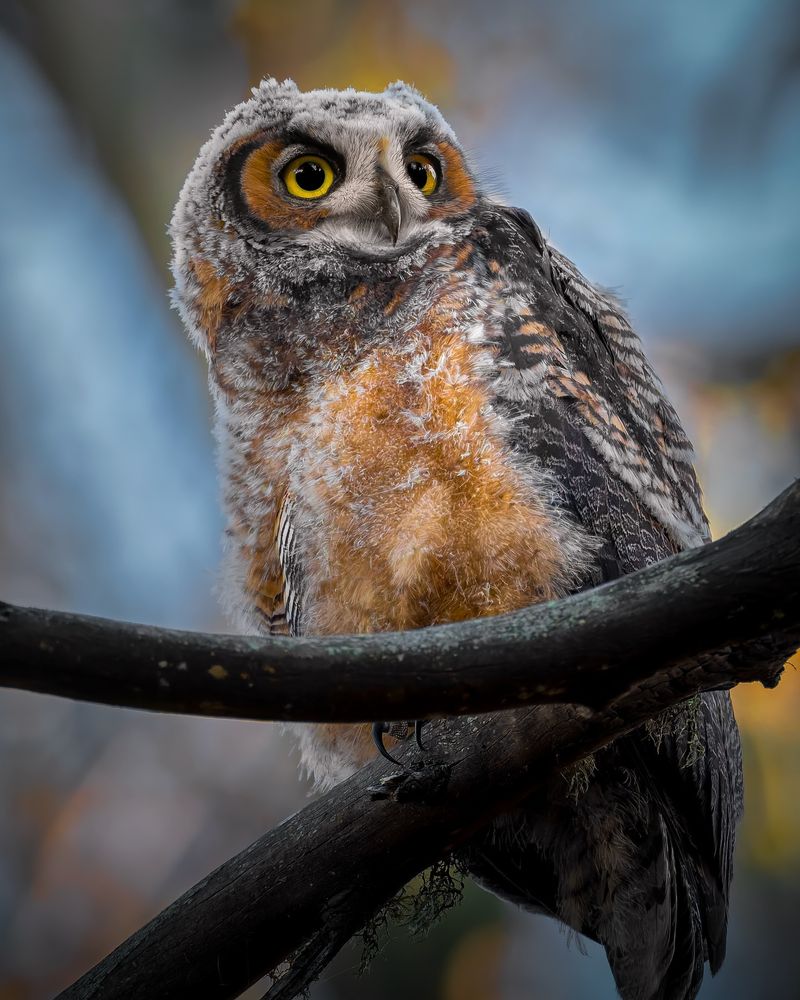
{"points": [[308, 177], [424, 172]]}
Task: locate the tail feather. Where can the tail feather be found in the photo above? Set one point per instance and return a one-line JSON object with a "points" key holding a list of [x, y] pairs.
{"points": [[616, 866]]}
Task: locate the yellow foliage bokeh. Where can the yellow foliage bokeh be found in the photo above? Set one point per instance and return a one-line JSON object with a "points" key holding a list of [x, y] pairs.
{"points": [[342, 43]]}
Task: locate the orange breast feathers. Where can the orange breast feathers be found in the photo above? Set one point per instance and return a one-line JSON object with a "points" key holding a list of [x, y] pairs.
{"points": [[420, 512], [423, 514]]}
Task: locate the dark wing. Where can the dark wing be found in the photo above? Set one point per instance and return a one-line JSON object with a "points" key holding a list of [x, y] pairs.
{"points": [[642, 860], [566, 348]]}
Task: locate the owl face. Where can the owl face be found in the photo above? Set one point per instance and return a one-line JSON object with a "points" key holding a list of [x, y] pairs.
{"points": [[369, 177], [295, 184]]}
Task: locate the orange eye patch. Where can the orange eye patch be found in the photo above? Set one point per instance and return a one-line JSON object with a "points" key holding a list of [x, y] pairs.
{"points": [[258, 186], [459, 185]]}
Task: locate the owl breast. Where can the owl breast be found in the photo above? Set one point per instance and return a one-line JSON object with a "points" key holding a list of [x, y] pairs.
{"points": [[410, 506], [416, 510]]}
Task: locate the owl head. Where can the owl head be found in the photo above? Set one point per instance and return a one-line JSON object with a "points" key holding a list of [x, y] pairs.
{"points": [[294, 187]]}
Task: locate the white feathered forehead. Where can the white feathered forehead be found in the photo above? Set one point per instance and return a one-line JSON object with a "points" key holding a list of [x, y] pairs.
{"points": [[281, 104]]}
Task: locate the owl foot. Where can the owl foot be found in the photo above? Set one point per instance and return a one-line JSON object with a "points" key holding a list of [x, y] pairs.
{"points": [[399, 730]]}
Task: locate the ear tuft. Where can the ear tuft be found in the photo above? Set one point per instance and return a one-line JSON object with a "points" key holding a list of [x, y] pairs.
{"points": [[269, 85], [405, 92]]}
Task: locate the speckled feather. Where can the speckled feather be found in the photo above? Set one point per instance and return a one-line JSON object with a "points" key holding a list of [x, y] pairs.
{"points": [[451, 427]]}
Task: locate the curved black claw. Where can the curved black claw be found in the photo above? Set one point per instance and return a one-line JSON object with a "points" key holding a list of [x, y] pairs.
{"points": [[379, 729], [418, 733]]}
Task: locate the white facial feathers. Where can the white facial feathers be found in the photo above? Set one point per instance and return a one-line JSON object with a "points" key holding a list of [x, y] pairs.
{"points": [[363, 130]]}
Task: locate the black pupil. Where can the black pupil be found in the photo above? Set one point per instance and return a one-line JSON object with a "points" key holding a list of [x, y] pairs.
{"points": [[309, 176], [418, 173]]}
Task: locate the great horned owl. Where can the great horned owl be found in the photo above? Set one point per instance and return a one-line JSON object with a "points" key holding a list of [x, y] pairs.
{"points": [[425, 413]]}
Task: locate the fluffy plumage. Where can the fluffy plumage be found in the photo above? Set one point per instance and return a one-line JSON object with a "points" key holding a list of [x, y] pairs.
{"points": [[425, 413]]}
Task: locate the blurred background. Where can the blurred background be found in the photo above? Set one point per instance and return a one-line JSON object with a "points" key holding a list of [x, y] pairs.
{"points": [[657, 144]]}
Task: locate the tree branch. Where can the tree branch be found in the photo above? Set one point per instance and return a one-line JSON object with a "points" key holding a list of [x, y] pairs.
{"points": [[308, 885], [586, 649], [703, 620]]}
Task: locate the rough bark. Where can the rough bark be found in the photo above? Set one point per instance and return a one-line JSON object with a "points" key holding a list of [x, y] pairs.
{"points": [[586, 649], [307, 886], [706, 619]]}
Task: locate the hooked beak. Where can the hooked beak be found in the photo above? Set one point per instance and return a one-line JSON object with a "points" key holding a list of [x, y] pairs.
{"points": [[389, 211]]}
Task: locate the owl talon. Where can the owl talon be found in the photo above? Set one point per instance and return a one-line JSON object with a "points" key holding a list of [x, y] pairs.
{"points": [[379, 729]]}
